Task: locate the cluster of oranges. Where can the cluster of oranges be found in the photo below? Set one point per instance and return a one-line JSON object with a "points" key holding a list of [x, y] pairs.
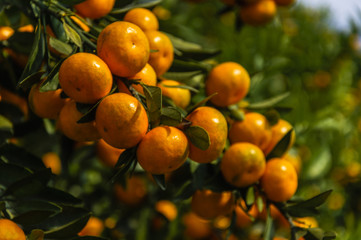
{"points": [[257, 12]]}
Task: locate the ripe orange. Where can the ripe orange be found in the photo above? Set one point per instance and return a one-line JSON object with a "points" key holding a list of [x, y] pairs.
{"points": [[51, 160], [163, 150], [243, 219], [295, 160], [67, 124], [243, 164], [230, 80], [46, 104], [279, 130], [209, 205], [85, 77], [162, 58], [94, 8], [180, 96], [167, 208], [107, 154], [6, 32], [253, 129], [80, 23], [143, 18], [10, 230], [94, 227], [146, 75], [279, 181], [26, 28], [124, 47], [284, 2], [121, 120], [134, 193], [196, 227], [216, 126], [258, 13]]}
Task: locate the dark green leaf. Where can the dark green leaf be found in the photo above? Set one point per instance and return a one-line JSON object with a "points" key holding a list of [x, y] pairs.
{"points": [[58, 196], [60, 46], [208, 176], [71, 2], [11, 173], [198, 136], [282, 146], [201, 103], [170, 116], [72, 35], [58, 28], [269, 228], [160, 180], [126, 160], [2, 206], [20, 42], [189, 66], [236, 113], [268, 103], [6, 129], [298, 232], [31, 79], [185, 192], [136, 4], [154, 103], [272, 116], [250, 197], [36, 234], [181, 76], [52, 81], [319, 234]]}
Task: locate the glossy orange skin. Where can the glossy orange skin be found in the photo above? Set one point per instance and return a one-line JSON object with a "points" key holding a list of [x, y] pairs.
{"points": [[107, 154], [295, 160], [279, 181], [94, 8], [124, 47], [196, 227], [216, 126], [134, 193], [167, 208], [67, 124], [230, 81], [163, 150], [85, 77], [6, 32], [94, 227], [52, 160], [143, 18], [209, 205], [162, 59], [180, 96], [253, 129], [284, 2], [279, 130], [243, 164], [243, 219], [121, 120], [46, 104], [9, 230], [258, 13]]}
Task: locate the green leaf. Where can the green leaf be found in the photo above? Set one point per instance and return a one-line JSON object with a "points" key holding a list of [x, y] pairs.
{"points": [[71, 2], [319, 234], [198, 137], [170, 116], [181, 76], [236, 113], [58, 196], [200, 103], [31, 79], [189, 66], [72, 35], [10, 173], [160, 180], [6, 129], [125, 161], [268, 103], [269, 228], [250, 197], [185, 191], [60, 46], [298, 232], [181, 86], [52, 81], [21, 42], [57, 27], [320, 163], [153, 97], [36, 234], [282, 146], [136, 4]]}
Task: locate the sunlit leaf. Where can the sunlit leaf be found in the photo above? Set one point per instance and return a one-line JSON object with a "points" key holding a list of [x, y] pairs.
{"points": [[268, 103], [170, 116]]}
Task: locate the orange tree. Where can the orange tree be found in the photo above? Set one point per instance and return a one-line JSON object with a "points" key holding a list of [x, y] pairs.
{"points": [[93, 62]]}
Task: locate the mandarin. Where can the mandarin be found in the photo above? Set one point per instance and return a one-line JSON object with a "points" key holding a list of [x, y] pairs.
{"points": [[143, 18], [279, 130], [10, 230], [94, 227], [94, 8], [258, 13], [107, 154], [180, 96]]}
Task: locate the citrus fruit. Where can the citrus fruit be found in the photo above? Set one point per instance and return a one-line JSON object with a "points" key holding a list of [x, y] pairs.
{"points": [[244, 219], [14, 99], [295, 160], [258, 13], [26, 28], [94, 227], [208, 204], [230, 81], [134, 192], [146, 75], [67, 124], [94, 8], [6, 32], [216, 126], [124, 47], [85, 78], [143, 18], [167, 209], [46, 104], [253, 129], [80, 23], [10, 230], [162, 56], [279, 181], [243, 164], [180, 96], [196, 227], [163, 150], [121, 120], [279, 130], [107, 154], [284, 2], [51, 160]]}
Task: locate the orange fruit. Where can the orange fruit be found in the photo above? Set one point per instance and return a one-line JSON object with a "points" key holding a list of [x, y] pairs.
{"points": [[14, 99], [162, 57], [295, 160], [107, 154], [143, 18], [230, 80], [46, 104], [243, 164], [26, 28], [121, 120], [51, 160], [180, 96], [284, 2], [146, 75], [6, 32], [67, 124], [216, 126], [124, 47], [94, 8], [258, 13], [85, 77], [167, 209], [253, 129], [10, 230], [209, 205], [196, 227], [279, 181], [163, 150], [134, 192], [80, 23], [94, 227], [243, 219], [279, 130]]}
